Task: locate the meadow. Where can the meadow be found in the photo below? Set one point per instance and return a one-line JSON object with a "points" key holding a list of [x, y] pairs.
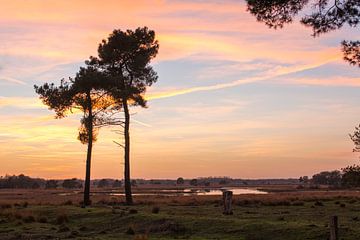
{"points": [[281, 214]]}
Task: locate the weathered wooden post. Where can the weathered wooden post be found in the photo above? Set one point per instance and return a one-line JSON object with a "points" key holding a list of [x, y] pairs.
{"points": [[227, 200], [334, 228]]}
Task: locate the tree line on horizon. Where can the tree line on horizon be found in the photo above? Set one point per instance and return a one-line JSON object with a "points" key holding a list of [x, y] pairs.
{"points": [[346, 178]]}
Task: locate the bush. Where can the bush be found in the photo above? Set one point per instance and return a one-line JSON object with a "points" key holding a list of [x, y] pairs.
{"points": [[141, 237], [68, 202], [130, 231], [5, 205], [133, 211], [155, 210], [17, 215], [64, 228], [62, 218], [298, 203], [42, 219], [29, 219]]}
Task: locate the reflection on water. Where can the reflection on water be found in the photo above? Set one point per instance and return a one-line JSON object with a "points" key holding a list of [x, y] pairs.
{"points": [[236, 191], [196, 192]]}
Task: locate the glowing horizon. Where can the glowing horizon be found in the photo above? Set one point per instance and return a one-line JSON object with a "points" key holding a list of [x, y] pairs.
{"points": [[233, 98]]}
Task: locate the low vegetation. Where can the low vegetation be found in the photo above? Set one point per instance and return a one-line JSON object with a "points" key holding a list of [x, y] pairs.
{"points": [[290, 215]]}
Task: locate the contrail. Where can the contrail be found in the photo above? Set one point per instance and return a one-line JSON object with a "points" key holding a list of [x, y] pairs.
{"points": [[278, 73], [12, 80]]}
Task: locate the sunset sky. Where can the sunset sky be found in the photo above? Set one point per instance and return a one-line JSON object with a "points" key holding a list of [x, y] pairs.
{"points": [[233, 98]]}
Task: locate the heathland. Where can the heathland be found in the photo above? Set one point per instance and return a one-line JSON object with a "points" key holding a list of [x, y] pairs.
{"points": [[284, 213]]}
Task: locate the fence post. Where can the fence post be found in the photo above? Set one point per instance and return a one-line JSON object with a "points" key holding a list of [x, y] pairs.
{"points": [[334, 228], [227, 200]]}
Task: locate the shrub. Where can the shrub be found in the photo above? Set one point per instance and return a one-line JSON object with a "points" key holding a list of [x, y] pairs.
{"points": [[130, 231], [298, 203], [141, 237], [64, 228], [133, 211], [5, 205], [42, 219], [17, 215], [155, 209], [68, 202], [62, 218], [29, 219]]}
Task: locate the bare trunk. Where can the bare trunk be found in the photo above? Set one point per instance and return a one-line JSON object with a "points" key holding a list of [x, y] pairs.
{"points": [[89, 151], [128, 194]]}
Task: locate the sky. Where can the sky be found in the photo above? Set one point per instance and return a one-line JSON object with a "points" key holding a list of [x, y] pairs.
{"points": [[234, 98]]}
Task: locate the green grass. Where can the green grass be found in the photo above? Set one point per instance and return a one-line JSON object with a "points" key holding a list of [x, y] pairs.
{"points": [[250, 222]]}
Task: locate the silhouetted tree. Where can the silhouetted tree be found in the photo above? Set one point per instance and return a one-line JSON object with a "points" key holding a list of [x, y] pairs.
{"points": [[351, 176], [304, 179], [180, 181], [51, 184], [103, 183], [224, 181], [20, 181], [116, 183], [71, 183], [351, 51], [332, 178], [133, 183], [327, 15], [82, 93], [193, 182], [125, 57], [355, 137]]}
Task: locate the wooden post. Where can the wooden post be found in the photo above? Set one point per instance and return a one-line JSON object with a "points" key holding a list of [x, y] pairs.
{"points": [[227, 200], [334, 228]]}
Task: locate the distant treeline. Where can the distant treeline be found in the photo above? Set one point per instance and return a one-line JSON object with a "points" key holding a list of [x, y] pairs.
{"points": [[22, 181], [348, 177]]}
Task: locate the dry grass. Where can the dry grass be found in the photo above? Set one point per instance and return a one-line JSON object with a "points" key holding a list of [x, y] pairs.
{"points": [[21, 198]]}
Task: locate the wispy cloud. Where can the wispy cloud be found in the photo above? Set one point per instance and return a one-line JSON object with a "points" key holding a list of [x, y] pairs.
{"points": [[273, 74], [21, 102], [12, 80]]}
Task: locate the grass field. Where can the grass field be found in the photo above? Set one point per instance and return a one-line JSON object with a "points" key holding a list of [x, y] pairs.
{"points": [[42, 214]]}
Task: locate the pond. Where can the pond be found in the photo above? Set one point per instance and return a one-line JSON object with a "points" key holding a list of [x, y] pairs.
{"points": [[195, 192]]}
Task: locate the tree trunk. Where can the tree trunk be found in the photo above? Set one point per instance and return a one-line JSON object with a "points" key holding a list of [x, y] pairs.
{"points": [[128, 194], [89, 126]]}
